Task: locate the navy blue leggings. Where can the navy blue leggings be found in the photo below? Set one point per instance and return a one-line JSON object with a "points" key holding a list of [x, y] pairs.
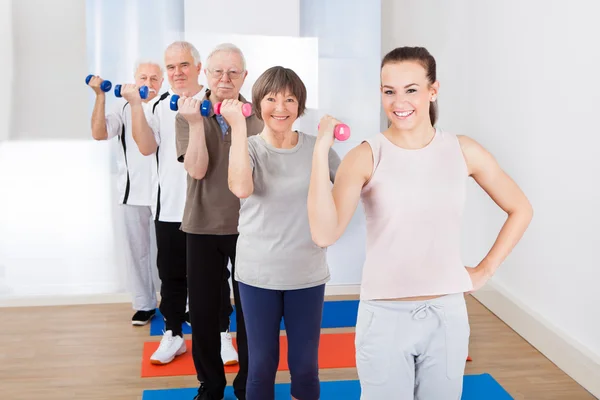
{"points": [[302, 311]]}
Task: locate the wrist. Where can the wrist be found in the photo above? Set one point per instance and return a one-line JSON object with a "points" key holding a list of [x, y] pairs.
{"points": [[196, 124], [322, 148], [487, 268], [136, 106], [135, 101], [238, 126]]}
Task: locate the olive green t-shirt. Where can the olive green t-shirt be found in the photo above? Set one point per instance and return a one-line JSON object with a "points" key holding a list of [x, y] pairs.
{"points": [[210, 207]]}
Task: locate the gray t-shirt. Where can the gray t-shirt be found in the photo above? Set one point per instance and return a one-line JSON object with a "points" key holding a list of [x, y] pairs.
{"points": [[275, 248]]}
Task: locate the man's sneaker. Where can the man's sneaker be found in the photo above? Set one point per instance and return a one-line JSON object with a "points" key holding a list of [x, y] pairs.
{"points": [[141, 318], [228, 353], [204, 395], [170, 347], [187, 318]]}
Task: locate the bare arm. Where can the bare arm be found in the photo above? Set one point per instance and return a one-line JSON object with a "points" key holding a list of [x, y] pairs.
{"points": [[240, 170], [142, 134], [506, 194], [239, 174], [196, 157], [190, 138], [330, 210], [99, 131]]}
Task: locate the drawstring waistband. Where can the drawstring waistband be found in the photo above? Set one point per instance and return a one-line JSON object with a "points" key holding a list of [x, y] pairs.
{"points": [[422, 312]]}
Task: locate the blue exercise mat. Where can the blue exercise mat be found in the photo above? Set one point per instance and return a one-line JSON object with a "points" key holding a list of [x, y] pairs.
{"points": [[336, 314], [483, 387], [476, 387]]}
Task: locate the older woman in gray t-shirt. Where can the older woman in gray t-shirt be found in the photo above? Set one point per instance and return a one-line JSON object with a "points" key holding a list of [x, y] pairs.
{"points": [[280, 270]]}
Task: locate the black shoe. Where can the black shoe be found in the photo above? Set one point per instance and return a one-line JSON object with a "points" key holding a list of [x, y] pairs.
{"points": [[141, 318], [203, 394]]}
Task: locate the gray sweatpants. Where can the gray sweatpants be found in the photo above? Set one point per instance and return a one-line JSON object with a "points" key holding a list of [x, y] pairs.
{"points": [[412, 350], [140, 266]]}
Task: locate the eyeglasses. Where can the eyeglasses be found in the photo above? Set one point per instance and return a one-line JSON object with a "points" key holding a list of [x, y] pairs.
{"points": [[218, 74]]}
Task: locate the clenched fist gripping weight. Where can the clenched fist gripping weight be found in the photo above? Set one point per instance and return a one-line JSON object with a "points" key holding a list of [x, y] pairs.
{"points": [[206, 104]]}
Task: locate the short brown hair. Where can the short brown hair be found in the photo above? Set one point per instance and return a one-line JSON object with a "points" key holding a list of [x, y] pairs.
{"points": [[278, 80]]}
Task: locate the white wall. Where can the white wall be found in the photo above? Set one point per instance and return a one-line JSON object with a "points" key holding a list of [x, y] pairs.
{"points": [[520, 78], [240, 17], [6, 71], [349, 36], [120, 33], [6, 67], [49, 96], [58, 234]]}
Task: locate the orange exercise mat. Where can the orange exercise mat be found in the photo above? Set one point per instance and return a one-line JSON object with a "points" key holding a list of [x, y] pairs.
{"points": [[336, 350]]}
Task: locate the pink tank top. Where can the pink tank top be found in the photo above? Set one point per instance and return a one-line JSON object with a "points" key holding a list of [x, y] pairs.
{"points": [[413, 206]]}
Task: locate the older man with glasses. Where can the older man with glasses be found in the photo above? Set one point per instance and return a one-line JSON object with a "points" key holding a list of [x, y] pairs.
{"points": [[210, 218]]}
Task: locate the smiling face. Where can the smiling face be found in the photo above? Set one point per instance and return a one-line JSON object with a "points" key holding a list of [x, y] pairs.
{"points": [[279, 111], [279, 97], [406, 94]]}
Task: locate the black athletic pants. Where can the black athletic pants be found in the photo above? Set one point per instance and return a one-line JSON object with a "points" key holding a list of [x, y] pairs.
{"points": [[207, 257], [172, 271]]}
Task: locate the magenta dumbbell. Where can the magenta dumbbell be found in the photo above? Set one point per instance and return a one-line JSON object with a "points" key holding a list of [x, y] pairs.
{"points": [[340, 131], [246, 109]]}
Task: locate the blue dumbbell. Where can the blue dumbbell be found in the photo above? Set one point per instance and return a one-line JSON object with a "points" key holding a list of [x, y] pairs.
{"points": [[143, 91], [105, 86], [204, 107]]}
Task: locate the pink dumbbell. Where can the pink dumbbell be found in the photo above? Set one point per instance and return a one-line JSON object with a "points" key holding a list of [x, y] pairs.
{"points": [[246, 109], [341, 132]]}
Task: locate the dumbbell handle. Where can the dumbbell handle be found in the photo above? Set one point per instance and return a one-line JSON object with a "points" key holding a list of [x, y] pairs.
{"points": [[246, 109], [340, 131], [143, 91], [105, 86], [204, 107]]}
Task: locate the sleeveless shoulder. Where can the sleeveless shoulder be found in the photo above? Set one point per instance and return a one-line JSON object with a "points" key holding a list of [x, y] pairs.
{"points": [[375, 143], [451, 143], [447, 136], [448, 139]]}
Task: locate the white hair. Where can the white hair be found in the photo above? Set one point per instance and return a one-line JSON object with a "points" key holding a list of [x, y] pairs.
{"points": [[228, 48], [183, 45], [150, 62]]}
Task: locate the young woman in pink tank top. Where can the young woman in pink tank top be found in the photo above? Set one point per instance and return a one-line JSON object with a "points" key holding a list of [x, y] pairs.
{"points": [[412, 332]]}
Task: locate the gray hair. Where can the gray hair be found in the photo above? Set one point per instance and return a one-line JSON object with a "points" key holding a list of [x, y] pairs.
{"points": [[151, 62], [183, 45], [228, 48]]}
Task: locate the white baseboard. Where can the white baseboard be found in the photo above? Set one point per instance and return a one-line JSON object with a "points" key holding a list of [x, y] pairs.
{"points": [[569, 355], [109, 298]]}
